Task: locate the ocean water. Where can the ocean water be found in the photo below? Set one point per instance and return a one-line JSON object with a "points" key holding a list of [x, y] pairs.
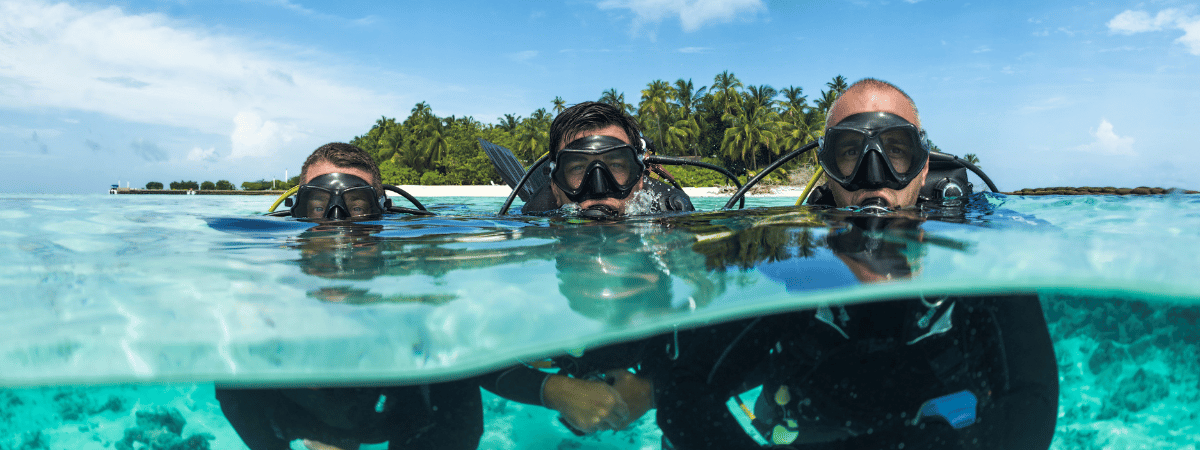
{"points": [[123, 305]]}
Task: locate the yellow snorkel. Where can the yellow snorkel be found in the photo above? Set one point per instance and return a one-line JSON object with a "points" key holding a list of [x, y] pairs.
{"points": [[811, 184], [285, 195]]}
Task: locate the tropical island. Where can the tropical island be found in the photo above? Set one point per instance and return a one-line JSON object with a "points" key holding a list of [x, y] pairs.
{"points": [[742, 127]]}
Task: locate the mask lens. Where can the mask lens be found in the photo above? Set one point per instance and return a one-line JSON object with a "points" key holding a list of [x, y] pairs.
{"points": [[898, 146], [846, 149], [314, 202], [573, 167], [359, 201], [620, 162]]}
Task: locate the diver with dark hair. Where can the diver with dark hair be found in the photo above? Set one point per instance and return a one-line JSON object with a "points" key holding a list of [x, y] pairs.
{"points": [[597, 162], [341, 187], [974, 372], [342, 182]]}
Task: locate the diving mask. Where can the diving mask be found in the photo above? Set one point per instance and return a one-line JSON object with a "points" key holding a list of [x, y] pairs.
{"points": [[873, 150], [594, 167], [338, 196]]}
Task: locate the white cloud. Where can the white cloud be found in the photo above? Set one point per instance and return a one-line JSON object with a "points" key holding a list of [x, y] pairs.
{"points": [[695, 50], [202, 155], [255, 137], [693, 14], [1107, 142], [981, 49], [1131, 22], [151, 69]]}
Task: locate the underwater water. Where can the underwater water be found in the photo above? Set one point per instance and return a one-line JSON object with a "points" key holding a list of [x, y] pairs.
{"points": [[124, 312]]}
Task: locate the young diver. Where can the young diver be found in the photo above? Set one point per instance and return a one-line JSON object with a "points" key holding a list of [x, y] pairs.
{"points": [[341, 183], [598, 163], [965, 372]]}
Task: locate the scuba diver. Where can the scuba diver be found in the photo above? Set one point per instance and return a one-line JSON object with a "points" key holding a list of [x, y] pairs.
{"points": [[342, 182], [597, 162], [341, 185], [609, 272], [924, 373], [921, 373]]}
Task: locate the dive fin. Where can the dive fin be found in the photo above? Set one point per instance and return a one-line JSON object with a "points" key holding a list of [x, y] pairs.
{"points": [[511, 170]]}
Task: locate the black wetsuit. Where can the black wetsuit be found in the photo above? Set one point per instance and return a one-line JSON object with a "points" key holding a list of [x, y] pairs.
{"points": [[669, 199], [437, 416], [856, 376]]}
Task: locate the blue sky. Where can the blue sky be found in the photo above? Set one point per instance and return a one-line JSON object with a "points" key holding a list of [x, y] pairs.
{"points": [[1046, 93]]}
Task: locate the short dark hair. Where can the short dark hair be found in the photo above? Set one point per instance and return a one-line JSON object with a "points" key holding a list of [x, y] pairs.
{"points": [[588, 116], [344, 155]]}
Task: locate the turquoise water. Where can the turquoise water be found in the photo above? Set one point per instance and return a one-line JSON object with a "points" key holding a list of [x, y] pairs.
{"points": [[121, 304]]}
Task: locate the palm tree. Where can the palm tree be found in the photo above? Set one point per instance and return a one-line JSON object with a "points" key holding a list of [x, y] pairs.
{"points": [[838, 84], [682, 136], [533, 136], [509, 123], [725, 92], [559, 105], [794, 101], [971, 158], [687, 96], [760, 96], [654, 105], [617, 99], [751, 135]]}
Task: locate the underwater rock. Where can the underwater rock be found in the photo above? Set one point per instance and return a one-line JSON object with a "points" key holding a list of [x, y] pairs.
{"points": [[1105, 356], [161, 429], [76, 404], [1140, 391]]}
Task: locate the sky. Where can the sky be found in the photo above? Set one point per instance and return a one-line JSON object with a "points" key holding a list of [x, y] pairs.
{"points": [[1045, 93]]}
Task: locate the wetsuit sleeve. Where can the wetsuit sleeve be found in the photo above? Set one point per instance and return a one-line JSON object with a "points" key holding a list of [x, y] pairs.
{"points": [[518, 383]]}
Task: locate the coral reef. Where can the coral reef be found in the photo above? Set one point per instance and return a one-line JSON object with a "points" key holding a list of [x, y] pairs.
{"points": [[161, 429]]}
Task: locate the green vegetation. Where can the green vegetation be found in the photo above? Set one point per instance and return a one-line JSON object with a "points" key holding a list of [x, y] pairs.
{"points": [[154, 185], [264, 185], [730, 124]]}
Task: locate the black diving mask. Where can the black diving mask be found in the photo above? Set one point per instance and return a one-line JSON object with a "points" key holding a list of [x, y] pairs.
{"points": [[594, 167], [338, 196], [873, 150]]}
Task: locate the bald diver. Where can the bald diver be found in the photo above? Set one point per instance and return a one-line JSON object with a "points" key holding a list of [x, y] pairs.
{"points": [[932, 372]]}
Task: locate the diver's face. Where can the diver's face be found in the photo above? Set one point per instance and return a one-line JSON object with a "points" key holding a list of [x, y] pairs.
{"points": [[617, 204], [870, 100]]}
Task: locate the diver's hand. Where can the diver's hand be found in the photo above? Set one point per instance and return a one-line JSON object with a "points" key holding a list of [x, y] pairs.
{"points": [[314, 445], [586, 405], [637, 392]]}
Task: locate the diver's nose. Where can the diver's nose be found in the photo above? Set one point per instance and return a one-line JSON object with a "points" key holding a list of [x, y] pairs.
{"points": [[875, 173], [597, 184], [337, 212]]}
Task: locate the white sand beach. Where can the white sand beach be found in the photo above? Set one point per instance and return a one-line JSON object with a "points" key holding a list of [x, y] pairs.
{"points": [[503, 191]]}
